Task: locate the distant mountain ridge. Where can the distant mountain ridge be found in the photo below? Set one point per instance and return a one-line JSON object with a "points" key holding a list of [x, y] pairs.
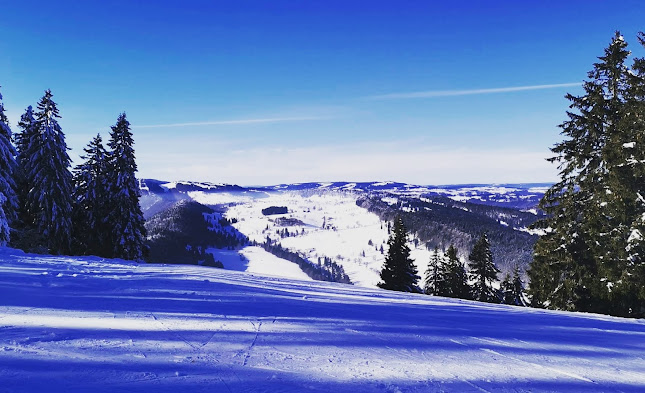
{"points": [[514, 195]]}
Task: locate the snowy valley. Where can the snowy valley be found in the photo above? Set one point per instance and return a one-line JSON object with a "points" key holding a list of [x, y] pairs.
{"points": [[334, 221]]}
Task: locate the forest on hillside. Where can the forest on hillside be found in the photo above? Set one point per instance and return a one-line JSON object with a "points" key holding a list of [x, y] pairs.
{"points": [[440, 222]]}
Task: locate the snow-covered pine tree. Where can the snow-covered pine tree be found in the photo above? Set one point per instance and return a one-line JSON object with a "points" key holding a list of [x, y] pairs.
{"points": [[582, 260], [91, 234], [8, 204], [628, 292], [125, 219], [25, 235], [456, 276], [399, 272], [22, 141], [50, 198], [619, 196], [483, 272], [434, 281]]}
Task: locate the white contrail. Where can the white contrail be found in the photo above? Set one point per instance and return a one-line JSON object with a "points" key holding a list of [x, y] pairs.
{"points": [[229, 122], [449, 93]]}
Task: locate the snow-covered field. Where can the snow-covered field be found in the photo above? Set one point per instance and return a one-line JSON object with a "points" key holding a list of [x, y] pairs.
{"points": [[254, 259], [323, 224], [88, 325]]}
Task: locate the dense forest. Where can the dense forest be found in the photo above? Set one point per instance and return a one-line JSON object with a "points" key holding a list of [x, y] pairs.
{"points": [[182, 233], [440, 222]]}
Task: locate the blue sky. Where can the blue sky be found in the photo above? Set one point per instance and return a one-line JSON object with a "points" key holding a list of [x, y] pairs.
{"points": [[265, 92]]}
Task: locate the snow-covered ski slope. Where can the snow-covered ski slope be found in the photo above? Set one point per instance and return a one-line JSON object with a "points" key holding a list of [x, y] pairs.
{"points": [[254, 259], [89, 325]]}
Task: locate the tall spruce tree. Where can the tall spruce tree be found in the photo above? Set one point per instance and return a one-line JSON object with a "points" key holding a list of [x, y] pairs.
{"points": [[583, 260], [22, 140], [50, 198], [434, 281], [455, 276], [483, 272], [628, 291], [125, 220], [91, 234], [513, 290], [399, 272], [8, 204]]}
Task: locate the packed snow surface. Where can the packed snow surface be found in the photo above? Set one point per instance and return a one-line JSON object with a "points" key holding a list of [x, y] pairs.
{"points": [[256, 260], [91, 325]]}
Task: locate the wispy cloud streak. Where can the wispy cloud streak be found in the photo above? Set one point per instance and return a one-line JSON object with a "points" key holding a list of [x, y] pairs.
{"points": [[450, 93], [233, 122]]}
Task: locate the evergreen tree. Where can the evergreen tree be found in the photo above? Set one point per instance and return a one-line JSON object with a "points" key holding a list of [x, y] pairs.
{"points": [[91, 207], [434, 282], [628, 292], [399, 272], [50, 198], [513, 290], [26, 235], [506, 289], [8, 205], [483, 272], [455, 276], [587, 258], [125, 219], [24, 166]]}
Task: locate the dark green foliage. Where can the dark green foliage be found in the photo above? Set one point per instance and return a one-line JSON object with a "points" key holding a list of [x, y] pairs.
{"points": [[439, 221], [513, 290], [274, 210], [49, 200], [591, 255], [26, 236], [22, 140], [629, 295], [399, 272], [435, 276], [125, 220], [325, 270], [181, 235], [483, 272], [456, 278], [210, 261], [91, 207], [8, 202]]}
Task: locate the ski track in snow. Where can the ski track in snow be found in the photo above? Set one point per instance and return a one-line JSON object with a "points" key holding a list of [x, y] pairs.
{"points": [[88, 324]]}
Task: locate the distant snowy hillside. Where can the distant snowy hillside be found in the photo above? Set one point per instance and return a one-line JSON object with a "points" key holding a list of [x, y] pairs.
{"points": [[519, 196], [91, 325], [331, 223], [322, 225]]}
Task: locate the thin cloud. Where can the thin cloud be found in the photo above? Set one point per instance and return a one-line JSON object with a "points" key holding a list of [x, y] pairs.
{"points": [[233, 122], [451, 93], [411, 161]]}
